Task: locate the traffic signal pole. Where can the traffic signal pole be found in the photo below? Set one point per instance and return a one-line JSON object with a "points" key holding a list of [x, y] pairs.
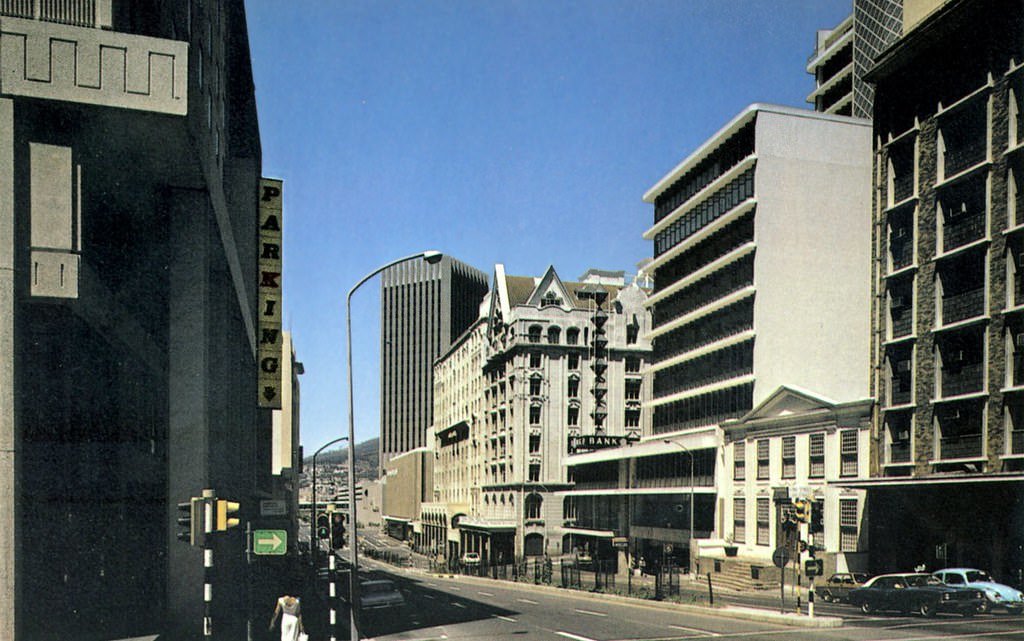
{"points": [[209, 497]]}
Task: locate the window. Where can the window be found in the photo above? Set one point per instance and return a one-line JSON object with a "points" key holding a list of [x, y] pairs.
{"points": [[533, 506], [534, 443], [572, 336], [569, 508], [535, 472], [573, 417], [534, 333], [535, 360], [632, 365], [535, 386], [739, 461], [632, 418], [788, 457], [550, 299], [763, 463], [574, 361], [535, 415], [739, 520], [817, 456], [574, 387], [632, 390], [554, 334], [848, 453], [847, 525], [763, 512], [632, 333]]}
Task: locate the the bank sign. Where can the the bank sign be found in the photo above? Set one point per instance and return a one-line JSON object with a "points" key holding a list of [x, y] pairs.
{"points": [[590, 442]]}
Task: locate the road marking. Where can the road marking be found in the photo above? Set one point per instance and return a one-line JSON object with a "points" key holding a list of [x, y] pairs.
{"points": [[596, 614], [959, 636], [485, 593], [569, 635], [454, 588], [697, 630], [504, 618], [459, 605], [527, 601], [429, 596]]}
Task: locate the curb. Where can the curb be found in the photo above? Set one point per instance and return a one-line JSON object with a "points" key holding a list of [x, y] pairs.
{"points": [[728, 611]]}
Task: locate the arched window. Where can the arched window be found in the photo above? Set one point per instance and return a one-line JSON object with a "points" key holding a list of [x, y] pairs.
{"points": [[535, 382], [554, 334], [572, 336], [533, 506], [534, 333], [533, 544]]}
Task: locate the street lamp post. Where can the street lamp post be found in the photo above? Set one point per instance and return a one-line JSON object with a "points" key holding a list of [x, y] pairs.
{"points": [[692, 535], [314, 544], [431, 257]]}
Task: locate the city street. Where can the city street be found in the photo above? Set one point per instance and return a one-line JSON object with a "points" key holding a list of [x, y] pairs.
{"points": [[469, 608]]}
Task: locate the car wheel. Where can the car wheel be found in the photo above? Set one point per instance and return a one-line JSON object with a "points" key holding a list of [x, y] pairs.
{"points": [[984, 607], [826, 597], [926, 609], [866, 608]]}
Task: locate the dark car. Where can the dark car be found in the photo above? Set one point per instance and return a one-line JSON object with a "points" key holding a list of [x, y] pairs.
{"points": [[921, 593], [837, 588]]}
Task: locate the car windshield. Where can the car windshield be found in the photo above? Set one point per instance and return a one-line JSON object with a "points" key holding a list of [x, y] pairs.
{"points": [[977, 575]]}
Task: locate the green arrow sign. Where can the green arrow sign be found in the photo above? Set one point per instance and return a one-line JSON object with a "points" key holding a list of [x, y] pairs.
{"points": [[266, 542]]}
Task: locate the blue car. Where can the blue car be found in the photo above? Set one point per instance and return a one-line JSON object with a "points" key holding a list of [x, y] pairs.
{"points": [[997, 595]]}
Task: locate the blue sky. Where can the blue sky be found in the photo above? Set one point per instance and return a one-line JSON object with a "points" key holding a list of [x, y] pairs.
{"points": [[522, 132]]}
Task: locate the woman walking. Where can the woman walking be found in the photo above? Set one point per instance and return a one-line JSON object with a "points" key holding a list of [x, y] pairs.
{"points": [[290, 611]]}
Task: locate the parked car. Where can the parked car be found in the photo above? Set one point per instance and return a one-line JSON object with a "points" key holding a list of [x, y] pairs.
{"points": [[378, 594], [997, 595], [471, 558], [837, 588], [915, 592]]}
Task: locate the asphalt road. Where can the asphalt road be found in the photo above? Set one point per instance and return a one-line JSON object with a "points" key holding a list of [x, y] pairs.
{"points": [[443, 607]]}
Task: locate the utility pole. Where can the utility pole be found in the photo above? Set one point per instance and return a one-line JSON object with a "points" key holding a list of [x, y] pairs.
{"points": [[209, 498]]}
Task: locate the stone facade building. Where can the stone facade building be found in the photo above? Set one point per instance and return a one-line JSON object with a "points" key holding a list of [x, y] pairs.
{"points": [[949, 309]]}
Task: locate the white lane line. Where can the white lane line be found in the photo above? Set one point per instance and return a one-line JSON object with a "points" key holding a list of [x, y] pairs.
{"points": [[527, 601], [696, 630], [459, 605], [591, 612], [569, 635], [965, 635], [429, 596], [454, 588], [485, 594], [504, 618]]}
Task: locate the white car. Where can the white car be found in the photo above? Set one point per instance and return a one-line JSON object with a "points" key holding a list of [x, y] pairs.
{"points": [[471, 558], [997, 595], [378, 594]]}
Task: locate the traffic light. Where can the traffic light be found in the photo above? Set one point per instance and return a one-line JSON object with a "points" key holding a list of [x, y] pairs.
{"points": [[817, 525], [224, 508], [337, 531], [323, 526], [802, 510], [190, 518], [813, 567]]}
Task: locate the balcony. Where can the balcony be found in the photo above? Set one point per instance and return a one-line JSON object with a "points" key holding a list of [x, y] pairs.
{"points": [[899, 452], [961, 446], [962, 229], [964, 156], [961, 378], [966, 304], [79, 13]]}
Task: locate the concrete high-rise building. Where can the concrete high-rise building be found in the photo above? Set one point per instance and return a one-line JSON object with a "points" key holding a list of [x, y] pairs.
{"points": [[129, 180], [761, 253], [843, 54], [424, 307], [948, 349]]}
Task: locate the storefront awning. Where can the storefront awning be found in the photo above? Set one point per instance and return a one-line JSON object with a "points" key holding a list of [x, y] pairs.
{"points": [[487, 526], [599, 534]]}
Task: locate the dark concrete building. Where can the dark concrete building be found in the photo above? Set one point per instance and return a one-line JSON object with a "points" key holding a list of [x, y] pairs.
{"points": [[948, 348], [423, 308], [129, 173]]}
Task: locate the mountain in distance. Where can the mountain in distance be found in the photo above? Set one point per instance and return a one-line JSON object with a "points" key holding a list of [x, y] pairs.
{"points": [[366, 455]]}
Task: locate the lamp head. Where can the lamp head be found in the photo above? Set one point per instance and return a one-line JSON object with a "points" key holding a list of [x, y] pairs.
{"points": [[432, 256]]}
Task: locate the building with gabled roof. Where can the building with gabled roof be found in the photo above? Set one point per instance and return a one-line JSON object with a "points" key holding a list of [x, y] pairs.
{"points": [[561, 367]]}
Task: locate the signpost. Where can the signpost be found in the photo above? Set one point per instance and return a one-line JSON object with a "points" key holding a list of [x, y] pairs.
{"points": [[780, 558], [269, 542]]}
